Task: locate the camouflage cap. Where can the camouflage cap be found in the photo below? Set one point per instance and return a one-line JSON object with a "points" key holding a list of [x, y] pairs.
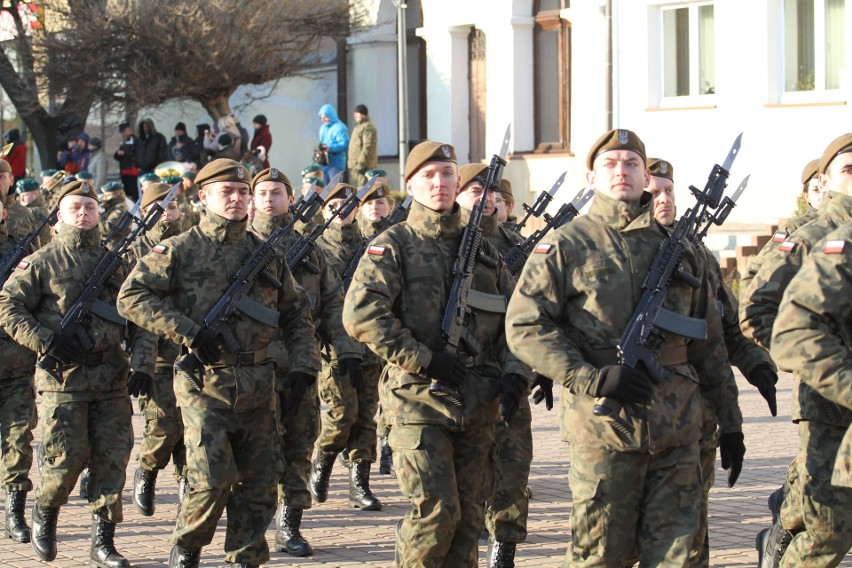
{"points": [[340, 191], [223, 169], [375, 172], [506, 188], [469, 172], [5, 167], [839, 145], [377, 192], [661, 168], [150, 176], [76, 187], [111, 186], [155, 192], [272, 174], [428, 151], [810, 171], [618, 139], [25, 185]]}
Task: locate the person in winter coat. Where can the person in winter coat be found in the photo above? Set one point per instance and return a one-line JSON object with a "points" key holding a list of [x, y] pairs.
{"points": [[334, 139]]}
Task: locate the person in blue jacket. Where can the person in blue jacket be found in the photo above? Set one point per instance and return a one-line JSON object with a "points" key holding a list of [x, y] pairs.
{"points": [[334, 139]]}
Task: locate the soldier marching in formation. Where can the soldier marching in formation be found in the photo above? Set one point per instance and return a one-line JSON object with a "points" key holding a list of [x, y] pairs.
{"points": [[234, 344]]}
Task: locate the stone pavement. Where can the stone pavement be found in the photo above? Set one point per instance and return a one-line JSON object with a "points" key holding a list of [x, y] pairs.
{"points": [[346, 538]]}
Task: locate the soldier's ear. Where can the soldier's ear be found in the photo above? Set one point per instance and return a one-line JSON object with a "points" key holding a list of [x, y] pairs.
{"points": [[590, 179], [202, 195]]}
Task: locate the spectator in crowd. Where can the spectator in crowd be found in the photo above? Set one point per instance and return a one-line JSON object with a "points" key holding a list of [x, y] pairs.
{"points": [[75, 158], [17, 156], [262, 137], [202, 131], [226, 148], [126, 156], [182, 148], [152, 147], [334, 139], [98, 165]]}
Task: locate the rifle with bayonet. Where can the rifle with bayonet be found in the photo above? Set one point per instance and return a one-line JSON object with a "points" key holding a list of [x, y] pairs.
{"points": [[517, 257], [540, 205], [72, 325], [121, 226], [21, 249], [650, 322], [458, 338], [398, 213]]}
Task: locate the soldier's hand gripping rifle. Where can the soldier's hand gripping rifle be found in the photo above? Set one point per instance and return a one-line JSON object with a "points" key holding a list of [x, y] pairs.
{"points": [[72, 325], [540, 205], [458, 338], [517, 257], [650, 322], [21, 249]]}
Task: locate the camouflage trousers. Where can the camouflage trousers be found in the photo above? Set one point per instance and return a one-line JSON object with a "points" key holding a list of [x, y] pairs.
{"points": [[162, 438], [842, 475], [825, 510], [699, 555], [350, 420], [80, 429], [17, 420], [447, 476], [298, 433], [506, 512], [630, 505]]}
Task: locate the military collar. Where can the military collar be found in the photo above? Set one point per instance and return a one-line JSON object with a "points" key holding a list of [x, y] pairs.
{"points": [[222, 230], [836, 205], [73, 237], [488, 223], [114, 202], [621, 215], [264, 223], [344, 233], [433, 224], [162, 230]]}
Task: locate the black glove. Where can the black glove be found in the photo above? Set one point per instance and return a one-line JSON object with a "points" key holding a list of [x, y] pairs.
{"points": [[139, 383], [352, 367], [205, 347], [764, 378], [512, 388], [732, 447], [625, 384], [446, 368], [297, 384], [63, 349], [544, 391]]}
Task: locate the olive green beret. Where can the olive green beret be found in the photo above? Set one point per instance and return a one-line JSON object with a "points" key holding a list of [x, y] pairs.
{"points": [[188, 174], [223, 169], [111, 186], [839, 145], [810, 171], [155, 192], [340, 191], [25, 185], [376, 172], [272, 174], [661, 168], [428, 151], [4, 166], [311, 168], [378, 191], [618, 139], [506, 188], [76, 187], [469, 172], [150, 176]]}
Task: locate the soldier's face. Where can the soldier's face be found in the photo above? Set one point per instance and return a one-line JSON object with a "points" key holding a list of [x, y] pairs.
{"points": [[619, 174], [375, 209], [271, 197], [5, 183], [79, 211], [813, 195], [435, 185], [228, 199], [172, 212], [334, 205], [838, 175], [664, 200], [502, 208], [472, 194]]}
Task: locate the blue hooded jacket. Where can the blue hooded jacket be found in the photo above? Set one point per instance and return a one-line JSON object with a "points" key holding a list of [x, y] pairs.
{"points": [[335, 135]]}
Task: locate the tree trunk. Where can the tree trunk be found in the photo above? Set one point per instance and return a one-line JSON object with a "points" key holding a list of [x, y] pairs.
{"points": [[217, 106], [44, 130]]}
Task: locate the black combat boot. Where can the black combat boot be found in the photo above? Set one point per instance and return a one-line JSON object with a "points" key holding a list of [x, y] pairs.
{"points": [[16, 524], [183, 489], [44, 531], [103, 552], [343, 458], [182, 558], [320, 474], [501, 554], [84, 484], [143, 490], [771, 544], [386, 458], [288, 537], [360, 496]]}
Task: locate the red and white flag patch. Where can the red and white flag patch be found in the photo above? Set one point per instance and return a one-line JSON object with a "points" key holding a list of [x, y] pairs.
{"points": [[542, 248], [160, 249], [376, 250], [779, 237], [834, 247], [788, 246], [23, 265]]}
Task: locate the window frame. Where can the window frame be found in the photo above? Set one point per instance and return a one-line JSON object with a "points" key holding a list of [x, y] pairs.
{"points": [[693, 99], [547, 21]]}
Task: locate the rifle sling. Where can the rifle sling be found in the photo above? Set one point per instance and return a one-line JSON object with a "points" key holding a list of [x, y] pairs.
{"points": [[107, 312], [494, 303], [258, 312]]}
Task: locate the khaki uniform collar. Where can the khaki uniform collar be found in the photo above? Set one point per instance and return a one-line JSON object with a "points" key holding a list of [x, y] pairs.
{"points": [[621, 215], [71, 236], [264, 223], [344, 233], [488, 224], [434, 224], [222, 230], [836, 205]]}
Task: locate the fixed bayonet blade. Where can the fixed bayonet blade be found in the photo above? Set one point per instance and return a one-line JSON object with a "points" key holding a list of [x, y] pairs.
{"points": [[582, 198], [557, 184], [735, 149], [335, 180], [366, 188], [170, 196], [134, 212], [740, 189], [506, 138]]}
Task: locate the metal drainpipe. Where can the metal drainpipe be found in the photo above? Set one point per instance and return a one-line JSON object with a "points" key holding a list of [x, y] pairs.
{"points": [[608, 74]]}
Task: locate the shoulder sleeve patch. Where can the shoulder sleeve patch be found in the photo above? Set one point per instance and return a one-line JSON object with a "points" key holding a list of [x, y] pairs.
{"points": [[376, 250], [542, 248], [161, 248], [23, 265], [834, 247], [779, 237], [788, 246]]}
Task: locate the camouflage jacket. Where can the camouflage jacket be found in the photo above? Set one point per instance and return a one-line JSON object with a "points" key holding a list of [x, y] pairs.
{"points": [[21, 222], [18, 361], [172, 288], [112, 210], [340, 244], [573, 301], [759, 305], [395, 306], [812, 334], [499, 236], [842, 476], [42, 289], [41, 211]]}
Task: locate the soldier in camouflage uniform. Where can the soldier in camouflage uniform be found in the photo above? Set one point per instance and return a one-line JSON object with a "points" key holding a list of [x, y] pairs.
{"points": [[812, 336], [634, 493], [17, 419], [113, 205], [752, 360], [29, 195], [350, 392], [818, 418], [230, 432], [85, 411], [51, 182], [444, 454], [190, 207], [506, 205], [162, 438], [299, 420], [20, 221]]}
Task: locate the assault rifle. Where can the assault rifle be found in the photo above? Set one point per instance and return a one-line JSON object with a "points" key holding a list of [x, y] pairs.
{"points": [[21, 249], [517, 257], [399, 212], [650, 321], [539, 206], [88, 302], [122, 224], [454, 328]]}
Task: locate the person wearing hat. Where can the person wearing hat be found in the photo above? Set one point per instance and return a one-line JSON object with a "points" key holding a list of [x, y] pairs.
{"points": [[181, 147], [572, 302], [51, 180], [801, 536], [191, 207], [333, 139], [506, 205], [20, 221], [319, 185], [86, 177], [472, 184], [375, 207], [152, 146], [233, 453], [262, 138], [17, 156], [114, 205], [363, 153], [125, 155], [29, 195], [395, 306], [87, 415]]}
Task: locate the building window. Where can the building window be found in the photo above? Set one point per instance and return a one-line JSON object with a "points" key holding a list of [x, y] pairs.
{"points": [[814, 44], [689, 66], [552, 71]]}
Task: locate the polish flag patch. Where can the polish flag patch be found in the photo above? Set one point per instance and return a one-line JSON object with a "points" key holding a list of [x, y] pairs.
{"points": [[834, 247], [779, 237], [542, 248], [376, 250], [160, 249], [23, 265], [788, 246]]}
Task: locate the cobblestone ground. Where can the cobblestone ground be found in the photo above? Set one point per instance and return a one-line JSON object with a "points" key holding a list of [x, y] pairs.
{"points": [[346, 538]]}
